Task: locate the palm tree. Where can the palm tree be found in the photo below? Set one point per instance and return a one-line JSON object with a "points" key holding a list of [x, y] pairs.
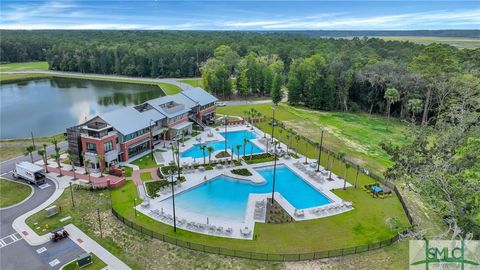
{"points": [[356, 176], [71, 158], [41, 153], [45, 152], [184, 132], [210, 150], [238, 151], [245, 141], [100, 160], [203, 147], [164, 133], [251, 151], [391, 96], [173, 154], [288, 140], [340, 156], [347, 166], [233, 155], [56, 156], [29, 151], [306, 150], [87, 163], [415, 106], [297, 138]]}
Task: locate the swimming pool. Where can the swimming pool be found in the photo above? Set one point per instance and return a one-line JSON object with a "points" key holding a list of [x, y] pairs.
{"points": [[226, 198], [234, 138]]}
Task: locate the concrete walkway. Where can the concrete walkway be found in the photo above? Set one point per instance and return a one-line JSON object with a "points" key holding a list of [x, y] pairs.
{"points": [[89, 245]]}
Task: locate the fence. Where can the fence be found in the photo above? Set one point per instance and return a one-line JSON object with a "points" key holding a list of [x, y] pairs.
{"points": [[256, 255]]}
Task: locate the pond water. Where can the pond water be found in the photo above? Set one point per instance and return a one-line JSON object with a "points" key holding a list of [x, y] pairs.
{"points": [[48, 106]]}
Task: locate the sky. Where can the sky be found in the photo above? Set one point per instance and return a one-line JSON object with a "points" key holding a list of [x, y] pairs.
{"points": [[240, 15]]}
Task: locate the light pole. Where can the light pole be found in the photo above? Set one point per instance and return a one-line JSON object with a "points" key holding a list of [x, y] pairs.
{"points": [[226, 122], [274, 171], [173, 202], [273, 121], [33, 140], [71, 193], [135, 206], [178, 159], [151, 138], [320, 152], [99, 223]]}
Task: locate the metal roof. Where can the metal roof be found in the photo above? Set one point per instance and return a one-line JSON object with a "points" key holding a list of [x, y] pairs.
{"points": [[30, 166], [128, 120], [199, 95], [172, 105]]}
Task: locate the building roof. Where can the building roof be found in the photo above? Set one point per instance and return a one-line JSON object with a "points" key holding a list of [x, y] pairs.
{"points": [[199, 95], [172, 105], [128, 120]]}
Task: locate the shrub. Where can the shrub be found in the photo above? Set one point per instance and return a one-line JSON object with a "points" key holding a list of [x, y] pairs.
{"points": [[258, 158], [242, 171], [154, 186]]}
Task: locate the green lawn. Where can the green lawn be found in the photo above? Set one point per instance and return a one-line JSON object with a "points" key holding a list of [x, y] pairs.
{"points": [[169, 89], [23, 66], [12, 193], [145, 176], [193, 82], [358, 135], [145, 162], [96, 264]]}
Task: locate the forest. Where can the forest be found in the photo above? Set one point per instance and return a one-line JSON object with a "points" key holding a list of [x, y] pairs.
{"points": [[435, 88]]}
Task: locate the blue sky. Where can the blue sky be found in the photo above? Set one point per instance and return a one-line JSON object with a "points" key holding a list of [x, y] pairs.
{"points": [[240, 15]]}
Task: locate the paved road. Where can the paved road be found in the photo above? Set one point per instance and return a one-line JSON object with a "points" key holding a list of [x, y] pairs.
{"points": [[16, 253], [9, 165], [174, 81]]}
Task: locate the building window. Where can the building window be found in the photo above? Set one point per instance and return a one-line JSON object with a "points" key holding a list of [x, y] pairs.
{"points": [[91, 147], [108, 146]]}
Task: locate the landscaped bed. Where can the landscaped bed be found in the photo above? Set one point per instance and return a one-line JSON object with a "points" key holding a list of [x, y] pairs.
{"points": [[153, 187], [242, 171], [96, 264], [258, 158]]}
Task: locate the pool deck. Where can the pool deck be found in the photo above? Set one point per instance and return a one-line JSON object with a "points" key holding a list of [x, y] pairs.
{"points": [[203, 224]]}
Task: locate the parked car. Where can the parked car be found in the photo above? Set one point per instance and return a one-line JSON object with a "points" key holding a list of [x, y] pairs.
{"points": [[221, 104]]}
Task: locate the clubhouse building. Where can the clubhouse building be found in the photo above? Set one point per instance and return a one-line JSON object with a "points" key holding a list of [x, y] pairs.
{"points": [[122, 134]]}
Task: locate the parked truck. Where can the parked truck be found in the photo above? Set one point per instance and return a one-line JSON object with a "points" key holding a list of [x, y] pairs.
{"points": [[29, 172]]}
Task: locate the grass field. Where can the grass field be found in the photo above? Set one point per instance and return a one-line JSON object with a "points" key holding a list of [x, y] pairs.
{"points": [[96, 264], [468, 43], [358, 135], [16, 147], [145, 162], [169, 89], [12, 193], [193, 82], [24, 66], [146, 176]]}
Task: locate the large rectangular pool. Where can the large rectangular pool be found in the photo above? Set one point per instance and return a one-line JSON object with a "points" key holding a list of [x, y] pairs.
{"points": [[226, 198], [233, 138]]}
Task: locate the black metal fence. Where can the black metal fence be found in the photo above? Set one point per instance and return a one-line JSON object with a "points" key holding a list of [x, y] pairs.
{"points": [[256, 255]]}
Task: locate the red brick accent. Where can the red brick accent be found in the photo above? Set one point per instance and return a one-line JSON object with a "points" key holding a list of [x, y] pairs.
{"points": [[99, 144]]}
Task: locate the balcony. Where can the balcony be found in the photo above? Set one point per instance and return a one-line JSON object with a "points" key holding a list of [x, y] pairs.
{"points": [[108, 134], [109, 156]]}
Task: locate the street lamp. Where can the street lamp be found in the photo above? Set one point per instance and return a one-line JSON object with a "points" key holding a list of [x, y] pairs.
{"points": [[226, 122], [178, 158], [151, 138], [320, 152], [273, 121], [173, 201], [274, 171], [135, 206]]}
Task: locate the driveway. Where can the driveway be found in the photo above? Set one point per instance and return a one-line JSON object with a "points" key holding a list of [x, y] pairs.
{"points": [[16, 253]]}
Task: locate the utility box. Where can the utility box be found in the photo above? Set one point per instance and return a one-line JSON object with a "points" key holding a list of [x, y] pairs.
{"points": [[84, 260], [51, 211]]}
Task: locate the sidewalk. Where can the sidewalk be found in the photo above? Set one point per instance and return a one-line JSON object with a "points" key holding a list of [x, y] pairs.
{"points": [[89, 245]]}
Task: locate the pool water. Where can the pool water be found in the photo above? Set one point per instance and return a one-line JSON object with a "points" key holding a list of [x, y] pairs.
{"points": [[234, 138], [226, 198]]}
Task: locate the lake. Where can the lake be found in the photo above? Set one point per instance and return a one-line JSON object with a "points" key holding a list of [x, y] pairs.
{"points": [[48, 106]]}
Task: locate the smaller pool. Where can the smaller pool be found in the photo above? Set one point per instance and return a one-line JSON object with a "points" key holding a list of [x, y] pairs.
{"points": [[377, 189], [233, 138]]}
